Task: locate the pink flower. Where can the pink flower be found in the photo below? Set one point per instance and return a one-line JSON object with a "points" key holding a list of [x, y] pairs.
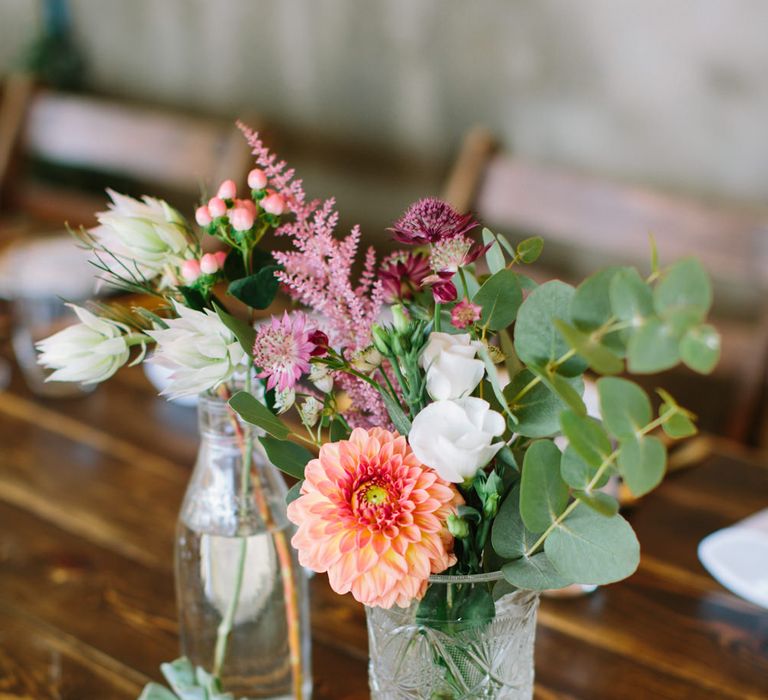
{"points": [[282, 350], [449, 254], [221, 257], [242, 218], [373, 517], [273, 204], [465, 313], [430, 220], [217, 207], [401, 275], [209, 264], [257, 179], [190, 270], [443, 290], [227, 190], [203, 216]]}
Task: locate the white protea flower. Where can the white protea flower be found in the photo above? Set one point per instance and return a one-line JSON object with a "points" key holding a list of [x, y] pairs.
{"points": [[87, 352], [201, 352], [147, 237]]}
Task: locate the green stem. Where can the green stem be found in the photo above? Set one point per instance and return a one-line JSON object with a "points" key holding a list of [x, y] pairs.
{"points": [[464, 283], [438, 306]]}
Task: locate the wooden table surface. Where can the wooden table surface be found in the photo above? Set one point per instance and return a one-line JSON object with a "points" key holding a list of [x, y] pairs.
{"points": [[89, 492]]}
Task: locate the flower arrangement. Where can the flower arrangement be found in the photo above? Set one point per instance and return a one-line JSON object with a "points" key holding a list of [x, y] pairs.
{"points": [[438, 421]]}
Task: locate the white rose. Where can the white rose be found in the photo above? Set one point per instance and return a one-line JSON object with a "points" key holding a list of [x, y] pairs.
{"points": [[452, 370], [455, 437], [87, 352], [201, 352], [146, 236]]}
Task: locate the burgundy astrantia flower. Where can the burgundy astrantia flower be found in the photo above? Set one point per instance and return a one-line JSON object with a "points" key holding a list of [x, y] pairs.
{"points": [[401, 275], [320, 341], [430, 220]]}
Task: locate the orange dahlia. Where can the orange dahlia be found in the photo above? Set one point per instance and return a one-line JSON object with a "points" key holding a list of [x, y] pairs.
{"points": [[374, 517]]}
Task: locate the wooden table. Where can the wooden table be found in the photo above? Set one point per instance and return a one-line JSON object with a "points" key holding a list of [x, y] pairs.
{"points": [[89, 491]]}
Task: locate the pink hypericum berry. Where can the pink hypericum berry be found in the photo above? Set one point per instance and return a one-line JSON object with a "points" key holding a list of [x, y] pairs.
{"points": [[217, 207], [190, 270], [241, 218], [203, 216], [257, 179], [221, 257], [273, 204], [247, 204], [227, 190], [209, 264]]}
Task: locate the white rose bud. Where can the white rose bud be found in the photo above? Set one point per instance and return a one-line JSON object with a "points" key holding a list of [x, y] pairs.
{"points": [[452, 370], [87, 352], [455, 438]]}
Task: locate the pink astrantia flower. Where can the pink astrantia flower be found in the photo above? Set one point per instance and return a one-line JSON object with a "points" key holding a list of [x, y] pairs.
{"points": [[373, 517], [430, 220], [282, 350], [465, 313], [401, 275]]}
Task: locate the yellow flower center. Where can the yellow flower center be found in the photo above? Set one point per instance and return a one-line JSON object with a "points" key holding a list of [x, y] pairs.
{"points": [[376, 495]]}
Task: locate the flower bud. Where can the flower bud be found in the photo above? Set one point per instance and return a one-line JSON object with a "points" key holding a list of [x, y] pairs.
{"points": [[209, 264], [491, 505], [381, 340], [221, 258], [366, 360], [257, 179], [458, 527], [203, 216], [273, 204], [241, 219], [310, 411], [284, 400], [227, 190], [400, 318], [321, 377], [320, 341], [217, 207], [190, 270]]}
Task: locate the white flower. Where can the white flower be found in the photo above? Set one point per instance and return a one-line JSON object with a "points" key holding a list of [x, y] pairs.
{"points": [[321, 377], [455, 437], [199, 349], [145, 236], [366, 360], [284, 399], [310, 411], [452, 370], [88, 352]]}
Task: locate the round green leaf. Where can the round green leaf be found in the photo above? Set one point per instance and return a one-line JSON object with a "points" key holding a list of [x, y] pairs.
{"points": [[587, 437], [577, 473], [534, 573], [600, 502], [589, 548], [537, 341], [624, 406], [700, 348], [500, 298], [685, 285], [530, 249], [600, 358], [509, 536], [653, 347], [543, 493], [678, 425], [642, 462], [631, 298]]}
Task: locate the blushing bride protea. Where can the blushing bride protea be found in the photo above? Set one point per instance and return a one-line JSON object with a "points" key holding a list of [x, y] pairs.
{"points": [[201, 352], [373, 517]]}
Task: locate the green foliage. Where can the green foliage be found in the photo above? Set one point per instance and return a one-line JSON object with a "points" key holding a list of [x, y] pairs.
{"points": [[243, 331], [565, 387], [257, 290], [700, 348], [577, 473], [591, 307], [600, 502], [631, 298], [591, 548], [294, 492], [287, 456], [543, 493], [624, 406], [494, 256], [500, 297], [193, 298], [538, 409], [188, 683], [587, 438], [529, 250], [535, 573], [537, 341], [252, 411], [509, 536], [642, 461], [589, 346], [653, 347], [684, 289]]}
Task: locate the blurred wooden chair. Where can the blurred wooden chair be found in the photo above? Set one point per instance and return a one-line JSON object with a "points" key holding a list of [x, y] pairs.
{"points": [[588, 222], [156, 150]]}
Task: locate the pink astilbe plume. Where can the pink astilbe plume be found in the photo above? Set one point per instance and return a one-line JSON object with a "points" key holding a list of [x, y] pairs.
{"points": [[319, 273]]}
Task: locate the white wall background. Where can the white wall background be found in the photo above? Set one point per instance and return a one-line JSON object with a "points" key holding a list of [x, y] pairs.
{"points": [[666, 91]]}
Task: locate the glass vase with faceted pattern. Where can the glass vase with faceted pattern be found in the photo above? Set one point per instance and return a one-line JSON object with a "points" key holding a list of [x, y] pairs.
{"points": [[433, 650]]}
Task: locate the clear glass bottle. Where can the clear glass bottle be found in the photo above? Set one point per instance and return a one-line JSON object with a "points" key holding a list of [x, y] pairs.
{"points": [[431, 653], [241, 593]]}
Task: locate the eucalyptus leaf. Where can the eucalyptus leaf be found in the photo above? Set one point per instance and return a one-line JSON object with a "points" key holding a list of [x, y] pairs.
{"points": [[684, 286], [577, 473], [155, 691], [600, 357], [678, 425], [543, 493], [500, 298], [244, 332], [494, 256], [510, 538], [537, 341], [590, 548], [287, 456], [534, 573], [624, 406], [257, 290], [591, 306], [642, 462], [252, 411], [600, 502], [587, 437], [565, 387], [630, 296], [493, 378], [294, 492], [530, 249], [700, 348], [653, 347]]}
